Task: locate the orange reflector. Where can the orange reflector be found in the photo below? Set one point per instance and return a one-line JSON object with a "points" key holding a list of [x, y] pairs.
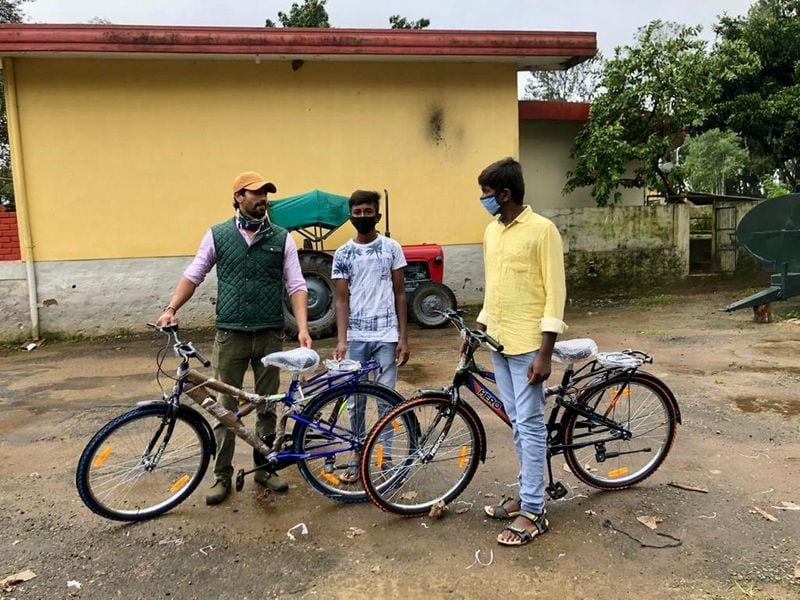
{"points": [[462, 459], [101, 458], [179, 484], [379, 456], [395, 425], [618, 472], [330, 478]]}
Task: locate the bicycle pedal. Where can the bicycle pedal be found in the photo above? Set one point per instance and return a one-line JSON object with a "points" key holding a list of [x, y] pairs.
{"points": [[240, 480], [556, 490]]}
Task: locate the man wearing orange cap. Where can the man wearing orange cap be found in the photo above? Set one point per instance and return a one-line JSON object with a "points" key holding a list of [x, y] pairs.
{"points": [[256, 261]]}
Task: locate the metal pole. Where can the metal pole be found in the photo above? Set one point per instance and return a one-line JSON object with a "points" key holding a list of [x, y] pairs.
{"points": [[20, 194]]}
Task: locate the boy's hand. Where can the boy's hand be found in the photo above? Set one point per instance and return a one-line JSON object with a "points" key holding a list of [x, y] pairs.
{"points": [[539, 369], [402, 353], [341, 351]]}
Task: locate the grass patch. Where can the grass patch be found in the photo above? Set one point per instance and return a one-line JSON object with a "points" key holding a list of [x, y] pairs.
{"points": [[658, 300]]}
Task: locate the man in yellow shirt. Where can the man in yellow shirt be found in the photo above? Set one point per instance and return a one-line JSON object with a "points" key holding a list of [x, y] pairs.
{"points": [[523, 309]]}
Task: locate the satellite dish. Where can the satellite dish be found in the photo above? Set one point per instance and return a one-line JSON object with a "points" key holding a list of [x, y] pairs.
{"points": [[770, 232]]}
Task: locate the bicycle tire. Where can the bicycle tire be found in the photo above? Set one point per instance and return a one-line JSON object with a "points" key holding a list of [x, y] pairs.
{"points": [[641, 406], [113, 478], [337, 411], [412, 487]]}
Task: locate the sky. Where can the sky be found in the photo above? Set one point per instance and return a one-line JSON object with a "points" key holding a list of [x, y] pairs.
{"points": [[614, 21]]}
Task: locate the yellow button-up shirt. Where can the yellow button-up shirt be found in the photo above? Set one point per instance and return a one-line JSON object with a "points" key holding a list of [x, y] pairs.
{"points": [[525, 283]]}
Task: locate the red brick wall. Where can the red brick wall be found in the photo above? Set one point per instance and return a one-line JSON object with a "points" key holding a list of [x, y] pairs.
{"points": [[9, 236]]}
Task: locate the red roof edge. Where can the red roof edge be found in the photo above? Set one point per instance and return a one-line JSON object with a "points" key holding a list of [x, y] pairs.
{"points": [[502, 45], [553, 110]]}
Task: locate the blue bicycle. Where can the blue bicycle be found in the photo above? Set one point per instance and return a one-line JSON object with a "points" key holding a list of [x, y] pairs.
{"points": [[149, 460]]}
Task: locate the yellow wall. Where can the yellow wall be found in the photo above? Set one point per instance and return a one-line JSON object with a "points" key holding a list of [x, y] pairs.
{"points": [[135, 158], [545, 148]]}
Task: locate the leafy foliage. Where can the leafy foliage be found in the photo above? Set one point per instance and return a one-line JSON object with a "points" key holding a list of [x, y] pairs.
{"points": [[711, 159], [398, 22], [651, 93], [762, 103], [576, 84], [10, 12], [312, 13]]}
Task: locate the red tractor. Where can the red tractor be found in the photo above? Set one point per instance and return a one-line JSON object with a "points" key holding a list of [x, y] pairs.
{"points": [[315, 216]]}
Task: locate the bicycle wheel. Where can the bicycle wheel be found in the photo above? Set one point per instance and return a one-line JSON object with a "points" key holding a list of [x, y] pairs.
{"points": [[339, 422], [642, 408], [137, 467], [412, 461]]}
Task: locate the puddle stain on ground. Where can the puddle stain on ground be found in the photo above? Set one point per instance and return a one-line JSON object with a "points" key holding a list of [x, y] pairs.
{"points": [[754, 404]]}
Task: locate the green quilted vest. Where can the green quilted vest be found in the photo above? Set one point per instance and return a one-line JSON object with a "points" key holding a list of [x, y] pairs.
{"points": [[249, 279]]}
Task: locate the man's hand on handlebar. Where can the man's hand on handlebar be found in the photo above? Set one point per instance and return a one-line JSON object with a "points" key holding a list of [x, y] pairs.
{"points": [[465, 343], [168, 317]]}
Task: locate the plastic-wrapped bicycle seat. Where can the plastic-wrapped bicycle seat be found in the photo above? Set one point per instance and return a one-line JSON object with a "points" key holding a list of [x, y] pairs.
{"points": [[618, 359], [342, 366], [574, 350], [298, 360]]}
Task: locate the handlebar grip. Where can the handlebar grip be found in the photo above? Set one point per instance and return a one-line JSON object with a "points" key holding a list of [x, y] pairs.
{"points": [[202, 359], [494, 343]]}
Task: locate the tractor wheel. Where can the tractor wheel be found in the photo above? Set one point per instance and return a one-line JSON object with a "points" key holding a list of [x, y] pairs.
{"points": [[426, 302], [316, 269]]}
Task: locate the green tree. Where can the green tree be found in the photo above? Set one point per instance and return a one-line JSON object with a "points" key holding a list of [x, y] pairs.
{"points": [[711, 159], [312, 13], [398, 22], [576, 84], [762, 103], [10, 12], [651, 93]]}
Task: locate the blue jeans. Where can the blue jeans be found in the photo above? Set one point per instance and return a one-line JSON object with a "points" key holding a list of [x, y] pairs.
{"points": [[384, 353], [524, 404]]}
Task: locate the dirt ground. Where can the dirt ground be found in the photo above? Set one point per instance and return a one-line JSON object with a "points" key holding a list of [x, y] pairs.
{"points": [[737, 384]]}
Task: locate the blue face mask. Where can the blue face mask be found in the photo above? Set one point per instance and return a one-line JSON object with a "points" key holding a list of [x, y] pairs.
{"points": [[491, 204]]}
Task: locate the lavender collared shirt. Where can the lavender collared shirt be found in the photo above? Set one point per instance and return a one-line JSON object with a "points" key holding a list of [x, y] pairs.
{"points": [[206, 258]]}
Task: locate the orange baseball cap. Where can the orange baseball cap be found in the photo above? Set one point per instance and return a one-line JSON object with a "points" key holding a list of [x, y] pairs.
{"points": [[250, 180]]}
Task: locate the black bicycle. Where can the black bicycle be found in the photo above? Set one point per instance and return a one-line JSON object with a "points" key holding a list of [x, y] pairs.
{"points": [[613, 422]]}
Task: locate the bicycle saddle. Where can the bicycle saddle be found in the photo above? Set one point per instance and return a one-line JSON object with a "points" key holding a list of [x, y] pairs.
{"points": [[298, 360], [574, 350]]}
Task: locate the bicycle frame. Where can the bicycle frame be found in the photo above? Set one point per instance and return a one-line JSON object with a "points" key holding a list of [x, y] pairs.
{"points": [[196, 386]]}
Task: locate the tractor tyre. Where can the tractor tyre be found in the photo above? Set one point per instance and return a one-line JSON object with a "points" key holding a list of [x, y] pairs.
{"points": [[316, 268], [426, 302]]}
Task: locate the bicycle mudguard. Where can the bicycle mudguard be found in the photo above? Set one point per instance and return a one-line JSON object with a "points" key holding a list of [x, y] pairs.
{"points": [[467, 409], [191, 415]]}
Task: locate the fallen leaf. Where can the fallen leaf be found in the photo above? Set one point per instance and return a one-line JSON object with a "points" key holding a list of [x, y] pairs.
{"points": [[763, 513], [437, 510], [12, 580], [408, 496], [651, 522], [490, 495]]}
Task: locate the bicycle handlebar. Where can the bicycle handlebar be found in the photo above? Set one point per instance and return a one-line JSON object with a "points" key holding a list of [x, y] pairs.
{"points": [[183, 349], [456, 317]]}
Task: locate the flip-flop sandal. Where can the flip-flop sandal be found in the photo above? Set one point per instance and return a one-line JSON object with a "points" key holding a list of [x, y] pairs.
{"points": [[523, 535], [499, 511]]}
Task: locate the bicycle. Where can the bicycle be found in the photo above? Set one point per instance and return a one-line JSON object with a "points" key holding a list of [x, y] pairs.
{"points": [[147, 461], [613, 422]]}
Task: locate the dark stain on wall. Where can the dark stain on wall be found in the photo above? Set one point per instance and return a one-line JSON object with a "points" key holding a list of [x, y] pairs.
{"points": [[436, 125]]}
